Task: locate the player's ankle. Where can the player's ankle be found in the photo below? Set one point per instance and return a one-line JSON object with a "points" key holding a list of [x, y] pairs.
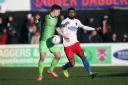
{"points": [[90, 72]]}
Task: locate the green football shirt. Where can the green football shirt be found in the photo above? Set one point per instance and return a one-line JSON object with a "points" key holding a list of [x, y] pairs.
{"points": [[49, 27]]}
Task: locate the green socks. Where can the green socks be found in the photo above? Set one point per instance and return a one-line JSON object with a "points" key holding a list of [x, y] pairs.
{"points": [[40, 68], [53, 64]]}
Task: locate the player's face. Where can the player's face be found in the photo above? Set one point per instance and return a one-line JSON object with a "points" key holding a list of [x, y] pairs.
{"points": [[56, 12], [72, 13]]}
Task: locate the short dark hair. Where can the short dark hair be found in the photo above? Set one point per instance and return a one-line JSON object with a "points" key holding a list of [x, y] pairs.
{"points": [[71, 9], [56, 7]]}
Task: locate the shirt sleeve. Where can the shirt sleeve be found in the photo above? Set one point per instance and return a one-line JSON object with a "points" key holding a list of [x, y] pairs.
{"points": [[84, 27], [62, 24]]}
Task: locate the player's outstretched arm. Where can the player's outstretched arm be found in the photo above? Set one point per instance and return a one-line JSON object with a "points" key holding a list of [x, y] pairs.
{"points": [[85, 27], [88, 28]]}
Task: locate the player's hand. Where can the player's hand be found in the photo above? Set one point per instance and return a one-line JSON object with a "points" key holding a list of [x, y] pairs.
{"points": [[66, 38], [98, 28], [66, 24]]}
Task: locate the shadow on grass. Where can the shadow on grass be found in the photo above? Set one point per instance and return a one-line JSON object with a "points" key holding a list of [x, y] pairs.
{"points": [[98, 75]]}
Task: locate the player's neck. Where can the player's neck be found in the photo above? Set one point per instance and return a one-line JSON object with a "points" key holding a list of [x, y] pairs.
{"points": [[52, 15], [71, 17]]}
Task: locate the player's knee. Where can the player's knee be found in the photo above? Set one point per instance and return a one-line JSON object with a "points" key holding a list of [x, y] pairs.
{"points": [[72, 64], [57, 57], [42, 59], [82, 57]]}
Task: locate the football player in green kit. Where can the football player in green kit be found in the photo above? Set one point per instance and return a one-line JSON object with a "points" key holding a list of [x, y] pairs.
{"points": [[47, 33]]}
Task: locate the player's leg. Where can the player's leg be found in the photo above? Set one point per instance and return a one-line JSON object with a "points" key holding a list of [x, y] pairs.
{"points": [[56, 52], [70, 55], [65, 69], [86, 65], [42, 49], [54, 63], [41, 65], [85, 61], [80, 53]]}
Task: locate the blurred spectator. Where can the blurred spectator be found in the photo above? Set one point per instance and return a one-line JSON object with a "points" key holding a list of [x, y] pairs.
{"points": [[85, 37], [28, 29], [24, 30], [34, 30], [38, 21], [35, 38], [30, 26], [106, 29], [4, 36], [13, 37], [125, 38], [94, 37], [114, 37], [91, 22], [11, 24], [1, 25], [62, 17]]}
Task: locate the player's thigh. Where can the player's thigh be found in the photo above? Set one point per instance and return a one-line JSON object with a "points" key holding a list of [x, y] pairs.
{"points": [[70, 55], [79, 51], [55, 49], [42, 46]]}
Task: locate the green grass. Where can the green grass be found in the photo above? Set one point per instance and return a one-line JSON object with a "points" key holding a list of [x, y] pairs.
{"points": [[27, 76]]}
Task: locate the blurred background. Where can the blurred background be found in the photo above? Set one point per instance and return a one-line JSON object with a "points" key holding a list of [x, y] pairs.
{"points": [[20, 25], [21, 21]]}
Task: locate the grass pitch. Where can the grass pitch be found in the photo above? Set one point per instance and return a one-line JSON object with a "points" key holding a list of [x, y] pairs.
{"points": [[78, 76]]}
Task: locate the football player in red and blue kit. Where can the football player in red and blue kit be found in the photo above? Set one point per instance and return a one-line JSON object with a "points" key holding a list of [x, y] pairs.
{"points": [[69, 27]]}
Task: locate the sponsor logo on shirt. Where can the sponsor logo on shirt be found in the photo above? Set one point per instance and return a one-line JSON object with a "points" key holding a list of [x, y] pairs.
{"points": [[72, 28]]}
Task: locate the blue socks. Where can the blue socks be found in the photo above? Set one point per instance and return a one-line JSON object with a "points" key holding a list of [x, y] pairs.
{"points": [[86, 65], [66, 66]]}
